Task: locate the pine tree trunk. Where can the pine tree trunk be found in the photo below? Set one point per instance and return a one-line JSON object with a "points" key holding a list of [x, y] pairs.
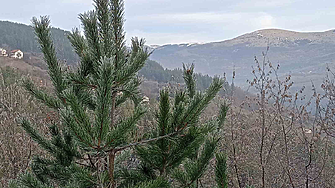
{"points": [[112, 152], [113, 110], [111, 168]]}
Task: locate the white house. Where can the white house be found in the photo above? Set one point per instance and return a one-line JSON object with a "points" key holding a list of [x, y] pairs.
{"points": [[3, 52], [16, 54]]}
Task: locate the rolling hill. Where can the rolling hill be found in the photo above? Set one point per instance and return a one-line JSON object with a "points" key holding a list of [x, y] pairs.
{"points": [[304, 55]]}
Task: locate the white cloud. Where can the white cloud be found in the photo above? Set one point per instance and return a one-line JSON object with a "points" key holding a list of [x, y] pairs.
{"points": [[198, 27], [78, 2], [264, 4], [168, 38], [144, 1], [181, 21], [200, 17], [263, 20], [318, 21]]}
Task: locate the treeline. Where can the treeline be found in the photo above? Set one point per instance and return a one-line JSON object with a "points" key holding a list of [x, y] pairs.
{"points": [[20, 36], [154, 71]]}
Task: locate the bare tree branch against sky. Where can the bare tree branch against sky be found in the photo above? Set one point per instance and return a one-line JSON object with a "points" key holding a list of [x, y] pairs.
{"points": [[184, 21]]}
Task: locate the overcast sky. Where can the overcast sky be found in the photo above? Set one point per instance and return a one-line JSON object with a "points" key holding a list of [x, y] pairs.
{"points": [[187, 21]]}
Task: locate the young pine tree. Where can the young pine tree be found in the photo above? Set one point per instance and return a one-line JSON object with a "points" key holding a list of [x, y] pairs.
{"points": [[183, 158], [88, 142]]}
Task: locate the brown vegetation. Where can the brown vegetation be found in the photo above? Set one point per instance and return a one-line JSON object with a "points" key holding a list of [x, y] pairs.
{"points": [[272, 139], [16, 147]]}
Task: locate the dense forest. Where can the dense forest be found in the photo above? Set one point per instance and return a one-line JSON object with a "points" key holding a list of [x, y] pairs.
{"points": [[154, 71], [20, 36]]}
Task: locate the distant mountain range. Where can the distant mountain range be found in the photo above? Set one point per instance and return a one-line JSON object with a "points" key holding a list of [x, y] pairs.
{"points": [[305, 55]]}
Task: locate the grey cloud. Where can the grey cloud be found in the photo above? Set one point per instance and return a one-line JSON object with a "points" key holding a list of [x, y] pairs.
{"points": [[179, 21]]}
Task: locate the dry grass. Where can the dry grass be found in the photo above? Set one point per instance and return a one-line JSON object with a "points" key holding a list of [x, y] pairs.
{"points": [[16, 147]]}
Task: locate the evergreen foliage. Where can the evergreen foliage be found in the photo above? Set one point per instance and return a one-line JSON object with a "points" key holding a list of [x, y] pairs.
{"points": [[154, 71], [184, 158], [87, 146], [220, 171]]}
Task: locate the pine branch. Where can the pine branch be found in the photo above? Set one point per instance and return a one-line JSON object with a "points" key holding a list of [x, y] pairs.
{"points": [[189, 79], [84, 83], [79, 115], [222, 114], [137, 46], [36, 136], [131, 177], [77, 41], [158, 183], [118, 135], [42, 96], [83, 89], [195, 169], [105, 27], [80, 44], [83, 137], [129, 91], [200, 102], [129, 70], [221, 171], [179, 109], [164, 112], [81, 177], [27, 180], [42, 31], [117, 18], [91, 31], [185, 147], [145, 141]]}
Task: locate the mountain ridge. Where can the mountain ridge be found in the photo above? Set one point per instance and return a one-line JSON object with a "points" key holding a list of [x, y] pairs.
{"points": [[305, 55], [264, 33]]}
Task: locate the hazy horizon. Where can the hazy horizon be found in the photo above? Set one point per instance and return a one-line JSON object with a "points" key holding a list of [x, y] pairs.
{"points": [[197, 21]]}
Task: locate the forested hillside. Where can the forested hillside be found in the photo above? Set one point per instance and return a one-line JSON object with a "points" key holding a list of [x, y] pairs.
{"points": [[154, 71], [20, 36]]}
